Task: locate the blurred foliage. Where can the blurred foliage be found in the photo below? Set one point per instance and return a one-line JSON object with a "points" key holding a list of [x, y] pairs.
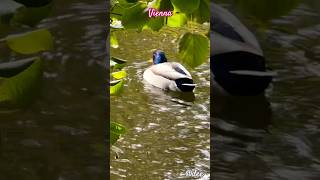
{"points": [[20, 79], [193, 49], [261, 12], [266, 10], [118, 75], [31, 42]]}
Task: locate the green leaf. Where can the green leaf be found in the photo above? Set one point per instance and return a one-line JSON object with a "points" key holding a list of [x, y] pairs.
{"points": [[185, 6], [202, 14], [31, 15], [119, 75], [18, 90], [31, 42], [177, 20], [166, 5], [116, 130], [12, 68], [135, 17], [34, 3], [194, 49], [117, 63], [116, 87], [155, 23], [113, 40]]}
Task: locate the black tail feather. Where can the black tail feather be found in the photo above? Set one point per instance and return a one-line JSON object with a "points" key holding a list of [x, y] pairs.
{"points": [[185, 88]]}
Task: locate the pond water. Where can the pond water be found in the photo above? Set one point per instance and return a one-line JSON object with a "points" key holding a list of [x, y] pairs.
{"points": [[167, 133], [277, 136], [61, 135]]}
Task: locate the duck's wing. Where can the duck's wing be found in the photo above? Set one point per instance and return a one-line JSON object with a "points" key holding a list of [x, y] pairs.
{"points": [[170, 71], [156, 80], [179, 68], [229, 34]]}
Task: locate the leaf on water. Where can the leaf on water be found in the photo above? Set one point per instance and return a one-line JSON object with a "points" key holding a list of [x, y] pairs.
{"points": [[177, 20], [117, 63], [114, 41], [116, 87], [194, 49], [116, 130], [19, 89], [119, 75], [31, 16], [135, 17], [184, 6], [31, 42]]}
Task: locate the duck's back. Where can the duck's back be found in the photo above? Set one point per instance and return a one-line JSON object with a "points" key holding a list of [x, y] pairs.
{"points": [[230, 34], [166, 75]]}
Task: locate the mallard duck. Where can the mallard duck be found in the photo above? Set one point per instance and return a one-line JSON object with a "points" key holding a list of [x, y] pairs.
{"points": [[237, 61], [168, 75]]}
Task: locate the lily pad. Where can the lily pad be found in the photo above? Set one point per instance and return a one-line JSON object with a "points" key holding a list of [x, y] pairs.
{"points": [[31, 42], [194, 49]]}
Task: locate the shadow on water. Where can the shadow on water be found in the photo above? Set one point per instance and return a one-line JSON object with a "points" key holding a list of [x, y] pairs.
{"points": [[246, 118], [179, 97], [61, 135]]}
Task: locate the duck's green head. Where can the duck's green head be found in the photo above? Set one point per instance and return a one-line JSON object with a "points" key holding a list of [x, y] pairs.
{"points": [[159, 57]]}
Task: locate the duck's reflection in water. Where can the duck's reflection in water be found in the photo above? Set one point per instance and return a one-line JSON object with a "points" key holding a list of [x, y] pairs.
{"points": [[242, 117], [182, 98]]}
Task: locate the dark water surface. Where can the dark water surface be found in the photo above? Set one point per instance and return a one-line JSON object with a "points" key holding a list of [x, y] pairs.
{"points": [[277, 136], [61, 134]]}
